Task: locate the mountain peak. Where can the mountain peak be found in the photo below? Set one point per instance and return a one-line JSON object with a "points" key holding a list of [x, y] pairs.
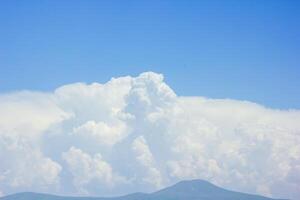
{"points": [[198, 182], [191, 187], [194, 185], [191, 190], [202, 190]]}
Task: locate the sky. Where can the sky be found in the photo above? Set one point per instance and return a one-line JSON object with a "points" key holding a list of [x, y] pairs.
{"points": [[247, 50], [107, 98]]}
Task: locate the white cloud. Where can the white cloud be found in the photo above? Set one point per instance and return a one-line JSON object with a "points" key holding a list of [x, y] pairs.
{"points": [[133, 130], [24, 167], [146, 159], [85, 169], [102, 132], [28, 113], [24, 117]]}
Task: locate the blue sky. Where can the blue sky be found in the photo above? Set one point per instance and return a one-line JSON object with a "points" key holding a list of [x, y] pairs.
{"points": [[247, 50]]}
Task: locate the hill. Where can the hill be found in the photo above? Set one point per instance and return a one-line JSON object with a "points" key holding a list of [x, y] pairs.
{"points": [[184, 190]]}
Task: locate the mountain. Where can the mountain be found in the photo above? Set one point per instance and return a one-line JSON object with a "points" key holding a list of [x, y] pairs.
{"points": [[184, 190]]}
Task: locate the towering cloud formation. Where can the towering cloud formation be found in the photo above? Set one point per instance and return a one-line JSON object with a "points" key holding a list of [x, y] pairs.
{"points": [[136, 133]]}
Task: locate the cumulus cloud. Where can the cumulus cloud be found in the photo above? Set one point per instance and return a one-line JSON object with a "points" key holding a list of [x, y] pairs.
{"points": [[86, 168], [146, 159], [102, 132], [135, 131], [24, 118]]}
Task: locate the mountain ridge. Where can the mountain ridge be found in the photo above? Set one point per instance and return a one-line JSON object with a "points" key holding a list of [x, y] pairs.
{"points": [[189, 189]]}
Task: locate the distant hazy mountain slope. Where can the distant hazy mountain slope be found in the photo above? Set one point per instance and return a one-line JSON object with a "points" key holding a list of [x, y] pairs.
{"points": [[37, 196], [185, 190], [202, 190]]}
